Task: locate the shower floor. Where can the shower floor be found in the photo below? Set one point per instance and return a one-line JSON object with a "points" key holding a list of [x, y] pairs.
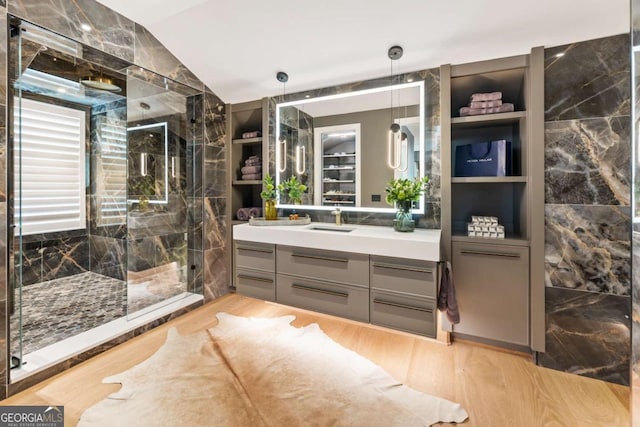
{"points": [[61, 308]]}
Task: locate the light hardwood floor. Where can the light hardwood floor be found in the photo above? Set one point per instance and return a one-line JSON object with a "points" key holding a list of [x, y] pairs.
{"points": [[497, 388]]}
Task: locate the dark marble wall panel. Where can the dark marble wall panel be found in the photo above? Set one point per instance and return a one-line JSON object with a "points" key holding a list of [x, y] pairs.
{"points": [[588, 248], [592, 79], [111, 32], [215, 171], [587, 188], [215, 131], [215, 222], [108, 256], [587, 161], [65, 257], [3, 154], [216, 270], [588, 334], [151, 54], [3, 54]]}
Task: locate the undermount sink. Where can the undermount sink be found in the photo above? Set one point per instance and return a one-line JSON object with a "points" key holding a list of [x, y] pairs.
{"points": [[339, 228]]}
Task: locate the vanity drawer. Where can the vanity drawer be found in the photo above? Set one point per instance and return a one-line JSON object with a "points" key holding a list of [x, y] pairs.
{"points": [[254, 255], [406, 313], [331, 298], [404, 275], [256, 284], [332, 266]]}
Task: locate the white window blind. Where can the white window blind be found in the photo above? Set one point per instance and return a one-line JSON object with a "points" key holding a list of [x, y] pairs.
{"points": [[111, 182], [49, 169]]}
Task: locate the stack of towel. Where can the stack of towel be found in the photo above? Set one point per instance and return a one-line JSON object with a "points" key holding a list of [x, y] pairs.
{"points": [[243, 214], [252, 169], [486, 103]]}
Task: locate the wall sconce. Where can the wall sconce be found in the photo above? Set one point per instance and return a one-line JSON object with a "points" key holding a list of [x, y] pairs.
{"points": [[281, 149], [301, 159], [282, 154], [397, 148], [143, 164]]}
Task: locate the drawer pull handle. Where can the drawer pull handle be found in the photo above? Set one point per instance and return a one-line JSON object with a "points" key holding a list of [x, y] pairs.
{"points": [[320, 291], [257, 279], [502, 254], [264, 251], [402, 268], [320, 258], [408, 307]]}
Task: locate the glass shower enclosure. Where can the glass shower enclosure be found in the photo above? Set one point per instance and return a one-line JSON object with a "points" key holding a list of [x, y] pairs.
{"points": [[100, 175]]}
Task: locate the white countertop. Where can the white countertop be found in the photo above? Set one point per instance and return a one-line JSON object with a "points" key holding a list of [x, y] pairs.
{"points": [[421, 244]]}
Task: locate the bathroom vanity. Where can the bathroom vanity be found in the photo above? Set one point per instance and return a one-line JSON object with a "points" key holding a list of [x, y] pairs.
{"points": [[365, 273]]}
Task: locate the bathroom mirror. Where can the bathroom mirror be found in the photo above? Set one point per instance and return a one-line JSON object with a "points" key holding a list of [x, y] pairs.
{"points": [[341, 148]]}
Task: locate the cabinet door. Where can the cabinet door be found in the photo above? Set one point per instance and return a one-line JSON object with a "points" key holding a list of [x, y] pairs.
{"points": [[492, 289], [254, 255], [404, 276], [256, 284], [331, 266], [326, 297]]}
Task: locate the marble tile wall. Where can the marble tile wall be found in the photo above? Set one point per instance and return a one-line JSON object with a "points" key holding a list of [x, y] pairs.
{"points": [[431, 216], [216, 256], [587, 213], [111, 32], [635, 288]]}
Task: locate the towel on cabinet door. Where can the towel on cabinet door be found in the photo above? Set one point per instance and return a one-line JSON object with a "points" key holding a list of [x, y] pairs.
{"points": [[447, 295]]}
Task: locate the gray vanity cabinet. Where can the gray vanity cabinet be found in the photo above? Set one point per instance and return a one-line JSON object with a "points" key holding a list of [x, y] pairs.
{"points": [[403, 294], [326, 281], [255, 266], [492, 290]]}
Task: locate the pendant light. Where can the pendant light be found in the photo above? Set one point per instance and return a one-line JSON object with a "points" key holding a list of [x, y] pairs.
{"points": [[396, 140], [281, 149]]}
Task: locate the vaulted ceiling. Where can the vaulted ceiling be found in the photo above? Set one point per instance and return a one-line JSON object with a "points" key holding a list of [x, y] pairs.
{"points": [[236, 47]]}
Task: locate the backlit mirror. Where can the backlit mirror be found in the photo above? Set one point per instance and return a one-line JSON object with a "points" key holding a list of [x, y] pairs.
{"points": [[340, 146]]}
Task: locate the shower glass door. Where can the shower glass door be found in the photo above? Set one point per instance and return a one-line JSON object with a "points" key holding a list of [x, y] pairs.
{"points": [[160, 144], [67, 214]]}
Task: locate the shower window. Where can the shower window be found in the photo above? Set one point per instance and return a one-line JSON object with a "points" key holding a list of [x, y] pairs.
{"points": [[51, 160]]}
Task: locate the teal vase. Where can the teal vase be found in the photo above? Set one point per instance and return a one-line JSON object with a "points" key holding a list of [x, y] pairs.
{"points": [[404, 221]]}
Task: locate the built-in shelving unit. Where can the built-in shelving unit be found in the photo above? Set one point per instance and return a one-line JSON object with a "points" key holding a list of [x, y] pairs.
{"points": [[246, 117], [338, 153], [497, 283]]}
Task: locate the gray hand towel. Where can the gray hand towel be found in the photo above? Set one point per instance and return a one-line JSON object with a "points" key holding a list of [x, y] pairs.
{"points": [[447, 295], [252, 177], [486, 96], [251, 169], [243, 214], [255, 212]]}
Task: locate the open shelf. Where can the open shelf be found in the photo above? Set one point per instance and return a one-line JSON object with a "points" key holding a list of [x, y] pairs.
{"points": [[247, 140], [489, 119], [339, 155], [488, 179], [247, 182], [510, 240], [339, 181]]}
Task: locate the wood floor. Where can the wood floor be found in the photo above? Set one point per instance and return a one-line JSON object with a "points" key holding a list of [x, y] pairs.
{"points": [[497, 388]]}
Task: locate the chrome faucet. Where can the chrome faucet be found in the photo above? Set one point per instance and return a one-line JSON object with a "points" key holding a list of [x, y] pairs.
{"points": [[338, 215]]}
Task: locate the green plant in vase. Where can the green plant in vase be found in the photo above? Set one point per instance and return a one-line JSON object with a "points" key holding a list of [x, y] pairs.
{"points": [[403, 193], [269, 195], [294, 189]]}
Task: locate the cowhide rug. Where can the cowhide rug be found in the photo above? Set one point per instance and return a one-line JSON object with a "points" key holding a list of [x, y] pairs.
{"points": [[263, 372]]}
